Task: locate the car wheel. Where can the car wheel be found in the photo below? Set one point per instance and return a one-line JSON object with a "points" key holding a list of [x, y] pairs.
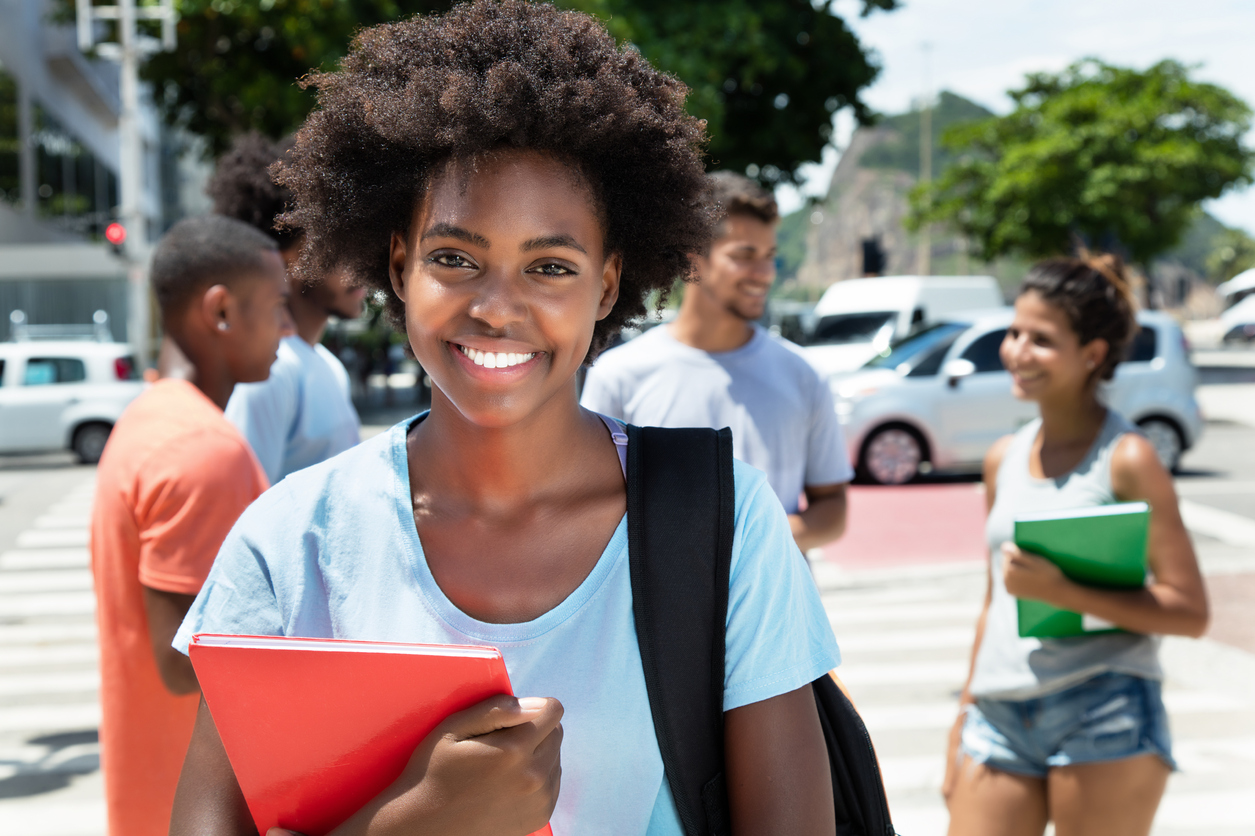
{"points": [[892, 456], [1166, 439], [89, 442]]}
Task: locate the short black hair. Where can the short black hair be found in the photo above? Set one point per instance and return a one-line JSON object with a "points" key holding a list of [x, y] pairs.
{"points": [[489, 76], [736, 194], [242, 188], [202, 251]]}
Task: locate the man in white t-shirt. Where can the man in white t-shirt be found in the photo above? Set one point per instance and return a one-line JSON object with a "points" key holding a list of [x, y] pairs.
{"points": [[303, 413], [714, 366]]}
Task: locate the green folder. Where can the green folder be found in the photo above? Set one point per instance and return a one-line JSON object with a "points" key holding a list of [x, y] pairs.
{"points": [[1103, 546]]}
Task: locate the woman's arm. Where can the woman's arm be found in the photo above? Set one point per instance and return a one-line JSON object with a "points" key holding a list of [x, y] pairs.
{"points": [[493, 768], [776, 761], [1175, 603], [993, 461]]}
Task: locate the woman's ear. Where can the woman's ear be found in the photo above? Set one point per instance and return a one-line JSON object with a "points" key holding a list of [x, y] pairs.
{"points": [[397, 253], [1095, 353], [611, 273]]}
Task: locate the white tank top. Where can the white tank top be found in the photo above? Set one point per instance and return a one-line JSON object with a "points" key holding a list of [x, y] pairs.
{"points": [[1013, 668]]}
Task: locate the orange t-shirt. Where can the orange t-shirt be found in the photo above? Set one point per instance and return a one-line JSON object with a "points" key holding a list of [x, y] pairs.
{"points": [[173, 479]]}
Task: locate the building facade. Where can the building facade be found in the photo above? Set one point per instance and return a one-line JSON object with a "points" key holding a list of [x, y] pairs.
{"points": [[59, 167]]}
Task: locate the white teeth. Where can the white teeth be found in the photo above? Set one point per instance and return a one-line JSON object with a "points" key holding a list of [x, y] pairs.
{"points": [[495, 360]]}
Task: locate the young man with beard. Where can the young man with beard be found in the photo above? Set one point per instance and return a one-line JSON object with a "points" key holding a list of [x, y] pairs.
{"points": [[714, 366], [303, 413]]}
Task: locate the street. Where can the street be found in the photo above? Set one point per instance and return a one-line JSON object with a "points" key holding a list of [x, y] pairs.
{"points": [[902, 597]]}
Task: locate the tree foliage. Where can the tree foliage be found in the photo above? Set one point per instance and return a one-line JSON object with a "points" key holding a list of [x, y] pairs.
{"points": [[767, 76], [1112, 158], [1233, 252]]}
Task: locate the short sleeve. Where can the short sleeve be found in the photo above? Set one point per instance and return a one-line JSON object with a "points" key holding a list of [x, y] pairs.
{"points": [[238, 598], [188, 495], [601, 394], [778, 635], [265, 413], [827, 459]]}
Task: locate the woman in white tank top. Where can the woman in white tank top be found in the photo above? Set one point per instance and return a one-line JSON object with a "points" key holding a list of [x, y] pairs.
{"points": [[1070, 730]]}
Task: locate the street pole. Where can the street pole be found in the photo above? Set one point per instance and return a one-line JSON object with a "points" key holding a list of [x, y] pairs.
{"points": [[128, 51], [131, 187], [925, 253]]}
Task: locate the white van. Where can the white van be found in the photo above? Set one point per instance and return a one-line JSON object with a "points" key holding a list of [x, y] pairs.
{"points": [[856, 319]]}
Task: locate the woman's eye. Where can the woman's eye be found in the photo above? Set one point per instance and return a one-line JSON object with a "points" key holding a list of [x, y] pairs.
{"points": [[450, 260], [552, 270]]}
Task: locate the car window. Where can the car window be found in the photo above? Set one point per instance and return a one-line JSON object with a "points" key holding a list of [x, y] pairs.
{"points": [[984, 352], [851, 328], [1145, 345], [907, 355], [44, 371]]}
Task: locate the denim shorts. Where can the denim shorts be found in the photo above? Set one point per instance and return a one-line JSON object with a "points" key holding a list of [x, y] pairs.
{"points": [[1110, 717]]}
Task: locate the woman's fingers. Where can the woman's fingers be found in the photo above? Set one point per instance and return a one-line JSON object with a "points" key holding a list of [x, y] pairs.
{"points": [[504, 712]]}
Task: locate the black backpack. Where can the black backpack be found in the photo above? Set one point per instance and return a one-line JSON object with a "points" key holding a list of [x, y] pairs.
{"points": [[680, 526]]}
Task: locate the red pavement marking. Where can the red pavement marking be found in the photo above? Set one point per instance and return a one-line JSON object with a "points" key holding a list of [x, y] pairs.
{"points": [[912, 524]]}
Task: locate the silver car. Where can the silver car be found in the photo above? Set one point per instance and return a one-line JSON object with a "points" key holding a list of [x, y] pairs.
{"points": [[936, 401]]}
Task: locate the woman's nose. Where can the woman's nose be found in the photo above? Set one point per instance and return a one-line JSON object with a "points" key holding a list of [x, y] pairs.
{"points": [[498, 300]]}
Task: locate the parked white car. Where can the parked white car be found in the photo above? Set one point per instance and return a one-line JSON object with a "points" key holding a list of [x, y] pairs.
{"points": [[1238, 323], [64, 394], [856, 319], [936, 401]]}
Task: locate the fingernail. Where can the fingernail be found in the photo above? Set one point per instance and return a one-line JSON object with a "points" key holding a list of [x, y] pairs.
{"points": [[532, 703]]}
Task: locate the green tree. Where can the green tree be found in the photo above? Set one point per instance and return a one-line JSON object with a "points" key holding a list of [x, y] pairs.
{"points": [[1233, 252], [766, 77], [1111, 158]]}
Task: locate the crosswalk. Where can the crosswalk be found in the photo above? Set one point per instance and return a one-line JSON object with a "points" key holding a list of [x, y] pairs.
{"points": [[905, 637], [905, 645], [49, 709]]}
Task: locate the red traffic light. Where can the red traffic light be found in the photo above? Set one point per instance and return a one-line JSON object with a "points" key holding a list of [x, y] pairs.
{"points": [[115, 233]]}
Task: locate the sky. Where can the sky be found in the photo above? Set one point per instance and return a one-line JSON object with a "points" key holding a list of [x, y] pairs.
{"points": [[981, 48]]}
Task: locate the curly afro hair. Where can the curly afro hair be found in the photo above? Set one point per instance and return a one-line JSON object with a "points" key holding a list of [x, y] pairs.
{"points": [[486, 76], [241, 186]]}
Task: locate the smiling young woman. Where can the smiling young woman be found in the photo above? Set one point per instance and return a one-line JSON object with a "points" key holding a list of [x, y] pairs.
{"points": [[514, 185], [1070, 730]]}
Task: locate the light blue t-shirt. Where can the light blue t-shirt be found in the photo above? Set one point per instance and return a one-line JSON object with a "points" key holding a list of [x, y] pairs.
{"points": [[781, 413], [301, 415], [333, 552]]}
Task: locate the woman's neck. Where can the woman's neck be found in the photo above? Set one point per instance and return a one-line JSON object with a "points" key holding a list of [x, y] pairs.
{"points": [[500, 467], [1072, 422]]}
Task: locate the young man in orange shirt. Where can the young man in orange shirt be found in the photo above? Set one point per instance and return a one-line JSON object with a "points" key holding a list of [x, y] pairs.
{"points": [[174, 477]]}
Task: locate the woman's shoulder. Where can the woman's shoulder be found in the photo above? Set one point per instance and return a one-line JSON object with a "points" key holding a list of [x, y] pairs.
{"points": [[356, 475]]}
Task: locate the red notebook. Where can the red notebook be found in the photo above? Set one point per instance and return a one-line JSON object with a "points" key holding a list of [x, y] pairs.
{"points": [[316, 728]]}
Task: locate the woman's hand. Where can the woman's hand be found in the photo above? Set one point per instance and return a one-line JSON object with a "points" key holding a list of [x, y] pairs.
{"points": [[493, 768], [1028, 575]]}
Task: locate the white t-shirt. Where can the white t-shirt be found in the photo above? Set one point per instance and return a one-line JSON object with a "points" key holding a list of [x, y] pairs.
{"points": [[333, 552], [781, 413], [301, 415]]}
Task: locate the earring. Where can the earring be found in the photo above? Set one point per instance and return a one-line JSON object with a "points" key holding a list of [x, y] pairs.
{"points": [[223, 326]]}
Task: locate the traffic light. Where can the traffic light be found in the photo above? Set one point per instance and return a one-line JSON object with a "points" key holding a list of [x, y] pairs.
{"points": [[115, 234]]}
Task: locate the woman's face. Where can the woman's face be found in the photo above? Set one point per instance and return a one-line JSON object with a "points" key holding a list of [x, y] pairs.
{"points": [[504, 274], [1044, 355]]}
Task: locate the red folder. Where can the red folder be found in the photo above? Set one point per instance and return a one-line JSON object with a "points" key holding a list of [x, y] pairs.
{"points": [[316, 728]]}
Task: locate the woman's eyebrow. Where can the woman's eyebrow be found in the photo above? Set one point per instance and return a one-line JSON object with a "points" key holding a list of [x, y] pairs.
{"points": [[451, 231], [547, 241]]}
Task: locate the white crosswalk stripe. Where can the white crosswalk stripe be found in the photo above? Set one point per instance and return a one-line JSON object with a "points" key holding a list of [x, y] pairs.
{"points": [[905, 647], [49, 682]]}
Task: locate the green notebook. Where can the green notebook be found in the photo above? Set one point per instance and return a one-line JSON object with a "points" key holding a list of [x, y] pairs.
{"points": [[1104, 545]]}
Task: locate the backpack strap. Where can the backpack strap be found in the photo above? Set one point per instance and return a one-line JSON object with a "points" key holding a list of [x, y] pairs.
{"points": [[680, 480]]}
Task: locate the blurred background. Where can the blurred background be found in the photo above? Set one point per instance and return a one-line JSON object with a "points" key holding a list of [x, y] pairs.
{"points": [[959, 138]]}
